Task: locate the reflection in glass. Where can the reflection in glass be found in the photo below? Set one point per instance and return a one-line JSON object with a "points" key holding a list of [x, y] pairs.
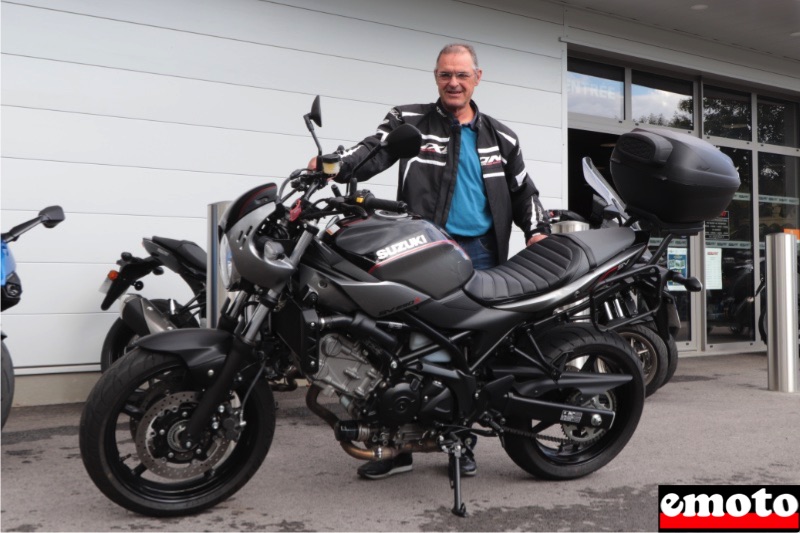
{"points": [[679, 260], [726, 113], [729, 273], [777, 122], [662, 101], [778, 178], [595, 89]]}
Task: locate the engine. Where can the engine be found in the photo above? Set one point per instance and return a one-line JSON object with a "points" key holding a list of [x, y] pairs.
{"points": [[343, 365], [363, 390]]}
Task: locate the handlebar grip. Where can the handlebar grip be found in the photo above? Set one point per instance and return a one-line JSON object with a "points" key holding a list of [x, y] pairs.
{"points": [[387, 205]]}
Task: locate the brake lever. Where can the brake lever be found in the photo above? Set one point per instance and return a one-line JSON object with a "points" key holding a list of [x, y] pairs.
{"points": [[354, 209]]}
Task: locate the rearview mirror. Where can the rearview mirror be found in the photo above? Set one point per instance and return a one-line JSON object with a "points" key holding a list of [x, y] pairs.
{"points": [[315, 115], [403, 142], [52, 216]]}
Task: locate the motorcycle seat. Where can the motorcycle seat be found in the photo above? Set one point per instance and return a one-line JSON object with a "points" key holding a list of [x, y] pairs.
{"points": [[548, 265], [191, 253]]}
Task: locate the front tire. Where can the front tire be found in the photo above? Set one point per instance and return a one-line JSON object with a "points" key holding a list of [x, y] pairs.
{"points": [[7, 384], [129, 438], [565, 451]]}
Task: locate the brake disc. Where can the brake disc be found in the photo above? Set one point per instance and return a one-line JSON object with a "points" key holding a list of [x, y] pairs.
{"points": [[158, 439]]}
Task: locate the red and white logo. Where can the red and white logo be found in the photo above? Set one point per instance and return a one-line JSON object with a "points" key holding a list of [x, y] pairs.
{"points": [[728, 508]]}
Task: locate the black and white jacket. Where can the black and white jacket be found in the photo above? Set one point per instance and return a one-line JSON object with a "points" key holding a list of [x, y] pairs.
{"points": [[427, 181]]}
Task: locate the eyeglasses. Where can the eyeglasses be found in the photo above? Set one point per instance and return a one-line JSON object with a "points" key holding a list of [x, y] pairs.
{"points": [[460, 76]]}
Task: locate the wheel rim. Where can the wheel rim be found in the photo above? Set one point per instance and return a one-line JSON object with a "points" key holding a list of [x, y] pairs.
{"points": [[645, 351], [133, 449], [567, 444]]}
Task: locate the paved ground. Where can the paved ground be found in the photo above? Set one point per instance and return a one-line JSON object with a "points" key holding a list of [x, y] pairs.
{"points": [[715, 423]]}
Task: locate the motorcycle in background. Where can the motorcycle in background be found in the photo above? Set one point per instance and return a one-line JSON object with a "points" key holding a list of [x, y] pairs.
{"points": [[656, 348], [49, 217], [140, 316]]}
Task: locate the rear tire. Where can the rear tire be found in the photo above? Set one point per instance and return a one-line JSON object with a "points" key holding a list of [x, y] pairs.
{"points": [[7, 385], [652, 352], [581, 451], [129, 438], [672, 359]]}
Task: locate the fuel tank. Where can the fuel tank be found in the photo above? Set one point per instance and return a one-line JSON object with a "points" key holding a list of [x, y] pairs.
{"points": [[405, 249]]}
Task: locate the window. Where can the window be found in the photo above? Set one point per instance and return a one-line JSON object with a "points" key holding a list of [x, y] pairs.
{"points": [[662, 101], [726, 113], [595, 89], [779, 198], [777, 122]]}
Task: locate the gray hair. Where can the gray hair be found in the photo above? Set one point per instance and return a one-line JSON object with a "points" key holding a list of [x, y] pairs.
{"points": [[454, 48]]}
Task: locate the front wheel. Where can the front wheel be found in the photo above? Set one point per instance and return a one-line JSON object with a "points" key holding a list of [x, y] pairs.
{"points": [[130, 437], [7, 385], [563, 450]]}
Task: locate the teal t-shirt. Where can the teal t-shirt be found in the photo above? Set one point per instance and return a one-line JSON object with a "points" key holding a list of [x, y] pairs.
{"points": [[469, 210]]}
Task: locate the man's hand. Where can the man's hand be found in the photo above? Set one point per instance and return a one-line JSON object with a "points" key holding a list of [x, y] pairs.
{"points": [[312, 165], [536, 238]]}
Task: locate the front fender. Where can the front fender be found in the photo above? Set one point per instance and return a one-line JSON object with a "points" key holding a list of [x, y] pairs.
{"points": [[203, 350]]}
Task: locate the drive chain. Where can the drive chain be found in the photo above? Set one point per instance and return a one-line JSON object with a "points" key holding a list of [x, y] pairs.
{"points": [[531, 435]]}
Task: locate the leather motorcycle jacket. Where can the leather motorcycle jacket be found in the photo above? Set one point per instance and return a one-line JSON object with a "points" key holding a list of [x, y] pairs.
{"points": [[427, 182]]}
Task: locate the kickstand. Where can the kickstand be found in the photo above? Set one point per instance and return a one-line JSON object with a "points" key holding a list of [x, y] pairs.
{"points": [[456, 452]]}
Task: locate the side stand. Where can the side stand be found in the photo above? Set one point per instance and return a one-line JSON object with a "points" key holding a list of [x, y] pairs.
{"points": [[456, 452]]}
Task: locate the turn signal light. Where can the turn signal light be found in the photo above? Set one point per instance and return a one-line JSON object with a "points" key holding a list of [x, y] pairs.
{"points": [[113, 274]]}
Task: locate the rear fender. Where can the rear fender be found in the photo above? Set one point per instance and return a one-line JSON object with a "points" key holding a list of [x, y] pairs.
{"points": [[202, 350], [130, 272]]}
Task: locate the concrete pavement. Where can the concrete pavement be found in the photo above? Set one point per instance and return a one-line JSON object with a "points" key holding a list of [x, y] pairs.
{"points": [[714, 423]]}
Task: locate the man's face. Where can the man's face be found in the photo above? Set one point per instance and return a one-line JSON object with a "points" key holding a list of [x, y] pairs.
{"points": [[456, 80]]}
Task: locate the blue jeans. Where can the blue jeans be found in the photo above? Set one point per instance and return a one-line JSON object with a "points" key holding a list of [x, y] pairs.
{"points": [[482, 249]]}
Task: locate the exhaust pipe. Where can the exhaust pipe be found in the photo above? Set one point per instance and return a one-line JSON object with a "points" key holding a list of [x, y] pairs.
{"points": [[372, 454]]}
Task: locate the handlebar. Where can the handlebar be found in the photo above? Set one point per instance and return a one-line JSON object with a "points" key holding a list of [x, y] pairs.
{"points": [[370, 202]]}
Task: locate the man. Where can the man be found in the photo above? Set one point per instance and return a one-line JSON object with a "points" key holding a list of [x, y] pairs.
{"points": [[468, 178]]}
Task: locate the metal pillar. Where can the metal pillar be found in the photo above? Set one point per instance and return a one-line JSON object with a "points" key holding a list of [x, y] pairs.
{"points": [[782, 348], [215, 290]]}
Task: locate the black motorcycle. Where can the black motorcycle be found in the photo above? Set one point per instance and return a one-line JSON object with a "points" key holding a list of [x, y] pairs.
{"points": [[11, 292], [140, 316], [384, 310]]}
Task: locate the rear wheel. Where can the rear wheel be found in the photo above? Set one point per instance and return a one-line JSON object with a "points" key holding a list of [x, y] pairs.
{"points": [[7, 384], [652, 352], [130, 438], [566, 451]]}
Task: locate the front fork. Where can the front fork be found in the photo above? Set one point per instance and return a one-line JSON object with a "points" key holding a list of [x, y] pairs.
{"points": [[242, 348]]}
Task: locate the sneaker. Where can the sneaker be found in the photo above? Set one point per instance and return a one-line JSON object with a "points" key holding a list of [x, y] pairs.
{"points": [[387, 467], [468, 466]]}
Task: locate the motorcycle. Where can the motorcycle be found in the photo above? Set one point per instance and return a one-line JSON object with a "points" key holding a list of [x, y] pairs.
{"points": [[655, 346], [11, 290], [384, 310], [140, 316]]}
